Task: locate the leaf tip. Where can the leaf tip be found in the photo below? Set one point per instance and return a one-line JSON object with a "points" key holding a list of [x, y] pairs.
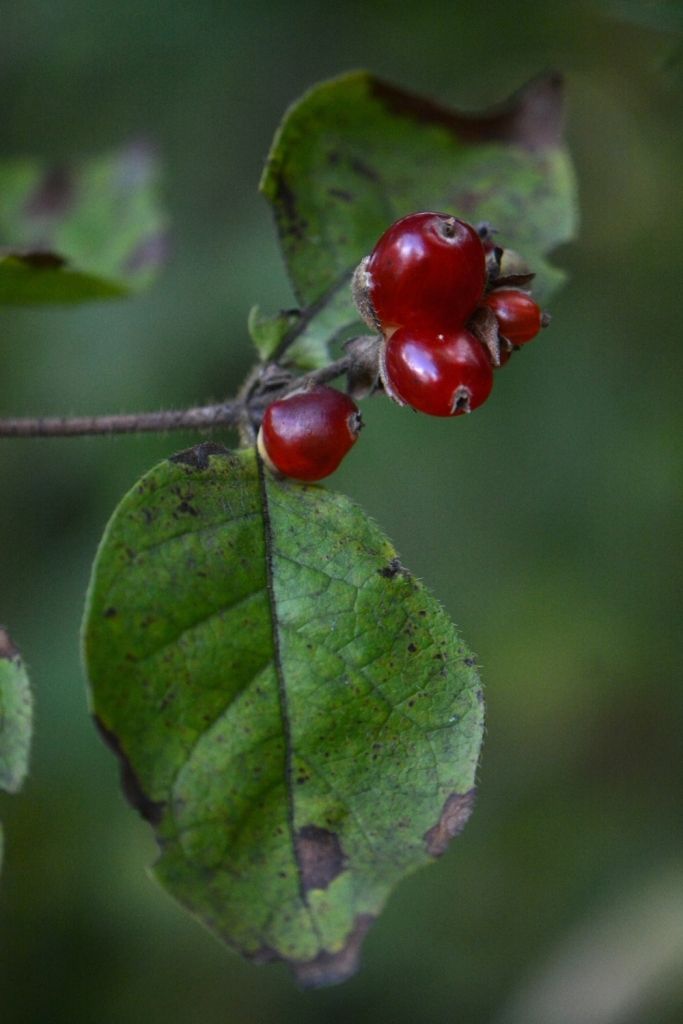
{"points": [[334, 968], [535, 114]]}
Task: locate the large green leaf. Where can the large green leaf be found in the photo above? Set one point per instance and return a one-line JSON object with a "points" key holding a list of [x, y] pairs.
{"points": [[15, 718], [93, 230], [294, 713], [356, 153]]}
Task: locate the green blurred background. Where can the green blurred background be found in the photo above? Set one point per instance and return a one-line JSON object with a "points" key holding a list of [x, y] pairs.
{"points": [[545, 522]]}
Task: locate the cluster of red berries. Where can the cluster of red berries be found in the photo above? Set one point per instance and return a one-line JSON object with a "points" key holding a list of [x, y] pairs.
{"points": [[447, 316], [426, 286]]}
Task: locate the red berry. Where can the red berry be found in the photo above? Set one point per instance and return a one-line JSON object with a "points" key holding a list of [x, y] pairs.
{"points": [[440, 373], [519, 318], [427, 270], [307, 434]]}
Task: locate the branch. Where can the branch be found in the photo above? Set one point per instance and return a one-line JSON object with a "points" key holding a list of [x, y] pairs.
{"points": [[321, 376], [227, 414], [204, 417]]}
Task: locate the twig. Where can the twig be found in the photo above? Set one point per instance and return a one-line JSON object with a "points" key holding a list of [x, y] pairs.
{"points": [[321, 376], [227, 414], [204, 417]]}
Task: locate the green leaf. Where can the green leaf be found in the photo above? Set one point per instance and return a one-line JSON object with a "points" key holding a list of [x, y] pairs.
{"points": [[356, 153], [294, 713], [93, 230], [305, 336], [268, 332], [15, 718]]}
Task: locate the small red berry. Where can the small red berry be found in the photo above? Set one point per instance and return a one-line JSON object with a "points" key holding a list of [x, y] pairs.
{"points": [[307, 434], [427, 270], [519, 318], [440, 373]]}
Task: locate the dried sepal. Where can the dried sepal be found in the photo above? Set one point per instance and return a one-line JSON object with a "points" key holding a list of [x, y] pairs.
{"points": [[384, 376], [360, 290], [521, 281], [512, 264], [364, 358], [484, 326]]}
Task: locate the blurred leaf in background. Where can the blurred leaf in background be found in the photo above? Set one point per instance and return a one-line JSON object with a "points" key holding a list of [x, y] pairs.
{"points": [[15, 719], [665, 16], [547, 523], [72, 233]]}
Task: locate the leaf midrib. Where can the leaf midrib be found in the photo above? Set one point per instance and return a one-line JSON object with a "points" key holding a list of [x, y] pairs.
{"points": [[282, 691]]}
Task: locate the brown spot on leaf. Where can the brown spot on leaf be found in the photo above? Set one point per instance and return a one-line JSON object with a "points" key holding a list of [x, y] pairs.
{"points": [[8, 649], [36, 259], [263, 955], [533, 117], [341, 193], [184, 508], [365, 171], [333, 968], [149, 254], [53, 196], [110, 613], [393, 569], [320, 856], [286, 199], [151, 810], [198, 457], [454, 815], [137, 165]]}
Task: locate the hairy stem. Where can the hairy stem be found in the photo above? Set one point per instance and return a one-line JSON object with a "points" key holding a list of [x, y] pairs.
{"points": [[321, 376], [227, 414], [233, 413]]}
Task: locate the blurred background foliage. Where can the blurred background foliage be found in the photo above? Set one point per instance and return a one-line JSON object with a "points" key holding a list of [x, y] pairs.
{"points": [[546, 522]]}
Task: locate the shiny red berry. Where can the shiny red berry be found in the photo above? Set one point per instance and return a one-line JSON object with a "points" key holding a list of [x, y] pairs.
{"points": [[519, 318], [437, 372], [306, 435], [427, 270]]}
